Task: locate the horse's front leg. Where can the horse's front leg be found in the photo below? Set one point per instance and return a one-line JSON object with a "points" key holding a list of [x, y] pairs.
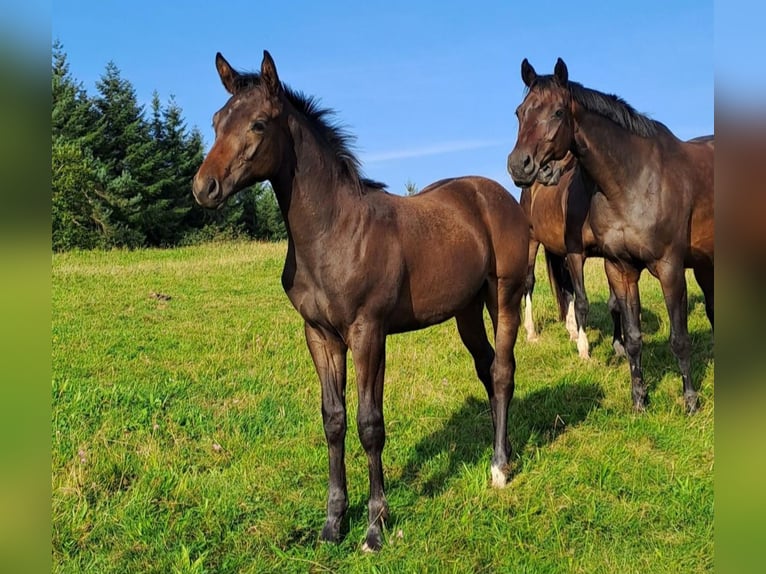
{"points": [[329, 355], [623, 280], [368, 348], [576, 262], [671, 274]]}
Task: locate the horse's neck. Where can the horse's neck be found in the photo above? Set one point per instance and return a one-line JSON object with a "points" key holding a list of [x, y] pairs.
{"points": [[310, 197], [607, 152]]}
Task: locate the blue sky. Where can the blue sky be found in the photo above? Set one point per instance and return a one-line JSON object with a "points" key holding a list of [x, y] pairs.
{"points": [[429, 89]]}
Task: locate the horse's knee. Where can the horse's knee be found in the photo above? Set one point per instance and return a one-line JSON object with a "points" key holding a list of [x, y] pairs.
{"points": [[372, 433], [632, 342], [680, 345], [503, 378], [612, 304], [335, 426]]}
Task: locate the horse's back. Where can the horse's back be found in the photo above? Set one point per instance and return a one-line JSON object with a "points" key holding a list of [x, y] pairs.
{"points": [[499, 214]]}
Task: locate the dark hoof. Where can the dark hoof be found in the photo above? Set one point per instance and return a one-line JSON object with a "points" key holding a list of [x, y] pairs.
{"points": [[330, 532], [619, 348], [374, 541], [640, 400], [692, 402]]}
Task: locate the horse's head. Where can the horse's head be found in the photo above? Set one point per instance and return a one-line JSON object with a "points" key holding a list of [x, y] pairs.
{"points": [[248, 134], [546, 127]]}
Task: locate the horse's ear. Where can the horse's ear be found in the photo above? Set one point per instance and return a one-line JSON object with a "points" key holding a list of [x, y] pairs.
{"points": [[228, 74], [561, 73], [269, 73], [528, 74]]}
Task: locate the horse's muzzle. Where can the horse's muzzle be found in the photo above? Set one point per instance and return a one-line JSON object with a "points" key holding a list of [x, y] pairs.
{"points": [[522, 168], [207, 191]]}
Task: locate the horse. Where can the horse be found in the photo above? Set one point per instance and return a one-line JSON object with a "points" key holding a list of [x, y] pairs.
{"points": [[362, 263], [557, 205], [653, 208]]}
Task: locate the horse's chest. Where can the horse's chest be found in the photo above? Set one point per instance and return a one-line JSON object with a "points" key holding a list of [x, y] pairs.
{"points": [[323, 300], [547, 220]]}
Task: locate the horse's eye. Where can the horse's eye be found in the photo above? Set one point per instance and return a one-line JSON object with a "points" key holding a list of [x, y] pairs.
{"points": [[258, 126], [559, 113]]}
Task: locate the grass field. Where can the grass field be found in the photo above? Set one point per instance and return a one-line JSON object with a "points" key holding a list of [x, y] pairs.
{"points": [[187, 435]]}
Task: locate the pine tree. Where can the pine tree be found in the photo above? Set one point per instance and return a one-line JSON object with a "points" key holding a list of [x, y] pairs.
{"points": [[179, 155], [73, 115], [75, 202], [122, 143]]}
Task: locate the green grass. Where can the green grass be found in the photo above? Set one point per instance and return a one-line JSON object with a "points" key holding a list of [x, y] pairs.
{"points": [[187, 434]]}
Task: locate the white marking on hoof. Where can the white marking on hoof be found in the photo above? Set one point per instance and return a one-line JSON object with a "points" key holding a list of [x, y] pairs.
{"points": [[498, 478], [582, 344], [366, 548], [529, 324], [571, 322]]}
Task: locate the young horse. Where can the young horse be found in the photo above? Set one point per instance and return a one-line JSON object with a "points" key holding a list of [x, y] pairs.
{"points": [[653, 207], [362, 263], [557, 205]]}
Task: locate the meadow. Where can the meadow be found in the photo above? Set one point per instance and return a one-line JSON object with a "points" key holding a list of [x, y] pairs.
{"points": [[187, 435]]}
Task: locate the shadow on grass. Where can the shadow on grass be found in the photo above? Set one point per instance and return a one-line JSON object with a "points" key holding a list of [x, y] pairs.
{"points": [[466, 437], [657, 359]]}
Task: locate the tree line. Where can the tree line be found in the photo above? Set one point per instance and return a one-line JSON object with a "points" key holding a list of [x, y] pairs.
{"points": [[121, 174]]}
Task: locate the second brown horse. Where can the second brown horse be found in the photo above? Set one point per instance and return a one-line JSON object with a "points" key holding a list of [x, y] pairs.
{"points": [[557, 205]]}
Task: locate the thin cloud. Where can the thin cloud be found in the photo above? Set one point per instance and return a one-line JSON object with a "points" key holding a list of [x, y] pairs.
{"points": [[427, 150]]}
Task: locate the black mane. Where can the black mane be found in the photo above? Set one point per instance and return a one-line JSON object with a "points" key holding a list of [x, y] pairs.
{"points": [[607, 105], [332, 133]]}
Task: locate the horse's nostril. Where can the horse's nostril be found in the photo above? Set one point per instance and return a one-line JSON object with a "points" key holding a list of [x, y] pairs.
{"points": [[529, 164], [213, 189]]}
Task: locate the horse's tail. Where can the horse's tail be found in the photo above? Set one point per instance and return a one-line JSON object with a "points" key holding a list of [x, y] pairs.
{"points": [[560, 280]]}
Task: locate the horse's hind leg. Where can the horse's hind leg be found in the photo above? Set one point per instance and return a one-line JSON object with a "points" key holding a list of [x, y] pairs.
{"points": [[576, 263], [470, 326], [507, 306], [703, 273], [529, 323], [614, 310]]}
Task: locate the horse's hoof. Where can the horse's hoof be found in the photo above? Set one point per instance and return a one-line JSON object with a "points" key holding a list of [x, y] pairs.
{"points": [[533, 338], [619, 349], [640, 397], [499, 479], [692, 403], [374, 540], [640, 402], [330, 533]]}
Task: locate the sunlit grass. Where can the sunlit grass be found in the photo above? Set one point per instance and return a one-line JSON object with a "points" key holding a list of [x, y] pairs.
{"points": [[187, 434]]}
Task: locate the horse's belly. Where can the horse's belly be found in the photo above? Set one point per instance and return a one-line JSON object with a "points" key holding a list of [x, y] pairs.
{"points": [[434, 291]]}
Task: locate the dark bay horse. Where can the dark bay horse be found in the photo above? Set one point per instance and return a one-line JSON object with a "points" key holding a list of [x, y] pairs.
{"points": [[654, 203], [362, 263], [557, 205]]}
